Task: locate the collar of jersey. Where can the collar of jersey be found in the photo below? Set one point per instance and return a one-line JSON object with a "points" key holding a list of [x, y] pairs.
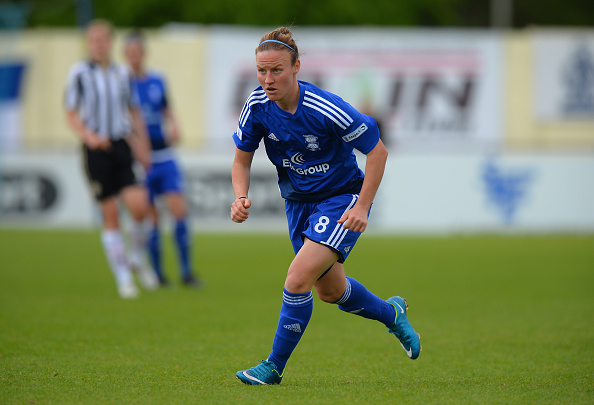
{"points": [[299, 105]]}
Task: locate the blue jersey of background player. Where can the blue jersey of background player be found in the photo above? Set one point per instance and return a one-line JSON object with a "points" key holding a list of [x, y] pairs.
{"points": [[309, 135], [165, 177]]}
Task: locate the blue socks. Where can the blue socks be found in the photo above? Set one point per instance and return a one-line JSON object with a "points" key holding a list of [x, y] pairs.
{"points": [[360, 301], [293, 319], [183, 246], [297, 309], [154, 248]]}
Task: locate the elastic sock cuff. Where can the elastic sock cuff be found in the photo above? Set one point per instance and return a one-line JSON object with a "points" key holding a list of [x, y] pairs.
{"points": [[347, 294], [297, 299]]}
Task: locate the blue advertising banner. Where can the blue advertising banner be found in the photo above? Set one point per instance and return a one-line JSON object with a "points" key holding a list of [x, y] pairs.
{"points": [[11, 83]]}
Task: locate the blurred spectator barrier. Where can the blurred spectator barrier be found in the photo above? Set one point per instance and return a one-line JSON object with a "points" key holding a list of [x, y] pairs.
{"points": [[419, 194]]}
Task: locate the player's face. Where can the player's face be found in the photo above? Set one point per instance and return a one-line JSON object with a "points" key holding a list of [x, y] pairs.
{"points": [[99, 43], [277, 76], [134, 54]]}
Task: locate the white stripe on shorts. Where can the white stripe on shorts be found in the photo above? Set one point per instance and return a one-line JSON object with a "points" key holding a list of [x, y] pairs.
{"points": [[339, 232]]}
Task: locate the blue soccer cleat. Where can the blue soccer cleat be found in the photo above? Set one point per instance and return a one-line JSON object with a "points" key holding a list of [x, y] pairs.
{"points": [[403, 330], [264, 373]]}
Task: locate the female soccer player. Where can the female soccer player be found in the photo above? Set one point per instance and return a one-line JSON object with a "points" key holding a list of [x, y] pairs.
{"points": [[98, 108], [309, 135], [165, 177]]}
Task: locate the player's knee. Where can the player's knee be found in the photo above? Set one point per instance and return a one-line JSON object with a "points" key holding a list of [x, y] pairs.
{"points": [[179, 213], [296, 284], [177, 206], [140, 210], [329, 296]]}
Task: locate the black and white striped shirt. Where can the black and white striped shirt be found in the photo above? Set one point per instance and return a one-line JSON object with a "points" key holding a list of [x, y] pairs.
{"points": [[102, 97]]}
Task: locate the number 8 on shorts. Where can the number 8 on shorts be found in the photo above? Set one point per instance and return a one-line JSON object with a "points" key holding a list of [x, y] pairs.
{"points": [[322, 224]]}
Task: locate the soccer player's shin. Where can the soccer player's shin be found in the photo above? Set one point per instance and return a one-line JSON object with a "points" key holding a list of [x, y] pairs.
{"points": [[293, 319], [115, 251], [138, 240], [139, 232], [360, 301]]}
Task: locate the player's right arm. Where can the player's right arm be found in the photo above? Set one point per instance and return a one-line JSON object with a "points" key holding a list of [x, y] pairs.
{"points": [[90, 138], [240, 176], [247, 138]]}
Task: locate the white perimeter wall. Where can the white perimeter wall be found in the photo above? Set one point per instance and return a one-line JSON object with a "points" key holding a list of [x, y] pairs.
{"points": [[419, 194]]}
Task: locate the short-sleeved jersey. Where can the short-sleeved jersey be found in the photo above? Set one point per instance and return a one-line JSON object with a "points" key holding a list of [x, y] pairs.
{"points": [[152, 95], [312, 149], [102, 97]]}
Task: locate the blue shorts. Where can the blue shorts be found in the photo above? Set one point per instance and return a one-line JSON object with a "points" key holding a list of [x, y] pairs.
{"points": [[317, 221], [164, 177]]}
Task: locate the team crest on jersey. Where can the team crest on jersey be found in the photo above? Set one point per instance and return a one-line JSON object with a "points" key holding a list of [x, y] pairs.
{"points": [[312, 142]]}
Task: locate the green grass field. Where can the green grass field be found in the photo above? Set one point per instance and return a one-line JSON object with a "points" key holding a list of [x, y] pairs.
{"points": [[502, 320]]}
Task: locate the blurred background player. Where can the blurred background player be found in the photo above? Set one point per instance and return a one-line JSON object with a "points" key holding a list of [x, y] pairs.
{"points": [[310, 135], [165, 177], [100, 109]]}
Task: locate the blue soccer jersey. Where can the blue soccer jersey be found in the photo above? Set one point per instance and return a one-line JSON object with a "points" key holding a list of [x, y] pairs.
{"points": [[165, 175], [152, 96], [312, 149]]}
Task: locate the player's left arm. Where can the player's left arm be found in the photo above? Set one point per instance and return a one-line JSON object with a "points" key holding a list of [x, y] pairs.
{"points": [[170, 117], [355, 219], [174, 135], [139, 140]]}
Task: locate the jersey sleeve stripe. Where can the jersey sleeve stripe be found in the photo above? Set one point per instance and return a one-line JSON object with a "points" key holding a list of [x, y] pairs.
{"points": [[310, 101], [331, 106], [255, 95], [332, 117], [249, 110]]}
